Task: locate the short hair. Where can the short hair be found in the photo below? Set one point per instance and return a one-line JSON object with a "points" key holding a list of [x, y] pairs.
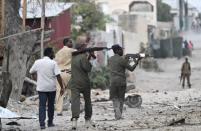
{"points": [[66, 40], [116, 47], [48, 51]]}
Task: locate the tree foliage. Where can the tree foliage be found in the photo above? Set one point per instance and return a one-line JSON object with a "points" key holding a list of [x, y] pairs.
{"points": [[163, 12], [99, 79], [91, 18]]}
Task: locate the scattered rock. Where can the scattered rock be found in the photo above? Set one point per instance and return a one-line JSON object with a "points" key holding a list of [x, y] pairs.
{"points": [[13, 123], [101, 100], [176, 98], [97, 94], [22, 98], [156, 91], [177, 122]]}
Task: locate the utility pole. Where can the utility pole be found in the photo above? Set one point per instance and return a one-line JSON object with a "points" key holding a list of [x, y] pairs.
{"points": [[24, 14], [181, 14], [42, 26], [186, 15]]}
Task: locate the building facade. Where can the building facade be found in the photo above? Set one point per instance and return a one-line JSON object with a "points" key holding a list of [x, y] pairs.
{"points": [[57, 18], [132, 23]]}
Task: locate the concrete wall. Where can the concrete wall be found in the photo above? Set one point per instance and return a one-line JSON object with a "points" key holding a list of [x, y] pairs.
{"points": [[132, 42], [114, 5], [137, 26], [168, 49]]}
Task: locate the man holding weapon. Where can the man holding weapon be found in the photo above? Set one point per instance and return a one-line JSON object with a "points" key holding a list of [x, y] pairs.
{"points": [[118, 65], [80, 68]]}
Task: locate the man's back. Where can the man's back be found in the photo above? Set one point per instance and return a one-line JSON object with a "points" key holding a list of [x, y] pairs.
{"points": [[186, 68], [117, 66], [46, 70], [80, 67]]}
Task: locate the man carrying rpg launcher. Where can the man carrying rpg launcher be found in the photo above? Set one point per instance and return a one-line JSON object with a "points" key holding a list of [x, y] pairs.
{"points": [[80, 68], [118, 65]]}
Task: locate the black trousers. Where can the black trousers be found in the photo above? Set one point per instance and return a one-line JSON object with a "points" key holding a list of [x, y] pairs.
{"points": [[46, 97]]}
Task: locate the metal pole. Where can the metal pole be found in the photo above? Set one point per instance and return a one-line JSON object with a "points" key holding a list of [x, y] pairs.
{"points": [[186, 15], [24, 14], [42, 26]]}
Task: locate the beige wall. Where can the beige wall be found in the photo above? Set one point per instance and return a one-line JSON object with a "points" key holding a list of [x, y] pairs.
{"points": [[133, 39], [124, 5]]}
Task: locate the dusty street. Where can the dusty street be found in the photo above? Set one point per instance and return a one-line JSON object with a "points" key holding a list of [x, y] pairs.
{"points": [[163, 100]]}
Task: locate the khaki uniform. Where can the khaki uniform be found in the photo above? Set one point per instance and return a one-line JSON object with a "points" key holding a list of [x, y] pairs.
{"points": [[80, 83], [186, 72], [118, 66], [63, 58]]}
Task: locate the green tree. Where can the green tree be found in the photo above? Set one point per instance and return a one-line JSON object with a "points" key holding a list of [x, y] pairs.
{"points": [[163, 12], [91, 18]]}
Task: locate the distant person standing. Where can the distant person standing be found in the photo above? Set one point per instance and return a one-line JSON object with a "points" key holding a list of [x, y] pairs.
{"points": [[47, 73], [63, 58], [185, 50], [186, 73], [191, 44], [190, 48]]}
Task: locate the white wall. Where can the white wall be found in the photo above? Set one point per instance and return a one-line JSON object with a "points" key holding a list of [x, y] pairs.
{"points": [[124, 5]]}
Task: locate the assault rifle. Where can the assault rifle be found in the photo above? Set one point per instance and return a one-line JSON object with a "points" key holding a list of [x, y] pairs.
{"points": [[89, 50]]}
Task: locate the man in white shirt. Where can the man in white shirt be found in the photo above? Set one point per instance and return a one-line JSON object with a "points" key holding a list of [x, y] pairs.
{"points": [[47, 73]]}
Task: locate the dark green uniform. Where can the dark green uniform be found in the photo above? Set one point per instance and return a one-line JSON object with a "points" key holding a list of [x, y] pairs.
{"points": [[118, 66], [80, 83]]}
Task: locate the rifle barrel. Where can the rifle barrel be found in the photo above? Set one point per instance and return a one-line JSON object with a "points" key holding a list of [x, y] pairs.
{"points": [[91, 49]]}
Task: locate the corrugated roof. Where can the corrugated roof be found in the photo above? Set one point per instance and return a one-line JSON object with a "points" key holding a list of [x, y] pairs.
{"points": [[51, 9]]}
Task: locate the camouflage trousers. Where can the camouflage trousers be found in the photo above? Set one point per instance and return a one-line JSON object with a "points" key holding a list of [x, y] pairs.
{"points": [[187, 77]]}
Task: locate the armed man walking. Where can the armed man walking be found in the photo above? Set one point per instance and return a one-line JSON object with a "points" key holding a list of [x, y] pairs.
{"points": [[186, 73], [63, 59], [80, 83], [118, 65]]}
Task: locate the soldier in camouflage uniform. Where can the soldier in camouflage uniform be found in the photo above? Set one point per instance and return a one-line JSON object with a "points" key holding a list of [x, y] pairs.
{"points": [[118, 65], [186, 73]]}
